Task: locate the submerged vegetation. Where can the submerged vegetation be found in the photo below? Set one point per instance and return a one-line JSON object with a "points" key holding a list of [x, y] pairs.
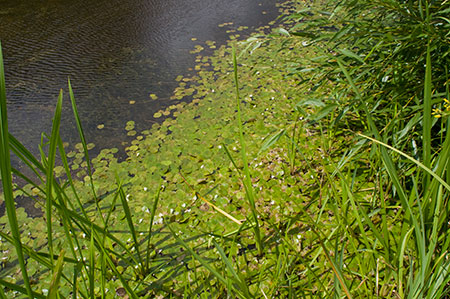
{"points": [[312, 162]]}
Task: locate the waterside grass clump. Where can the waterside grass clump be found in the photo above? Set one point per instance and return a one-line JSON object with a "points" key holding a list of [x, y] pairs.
{"points": [[279, 179]]}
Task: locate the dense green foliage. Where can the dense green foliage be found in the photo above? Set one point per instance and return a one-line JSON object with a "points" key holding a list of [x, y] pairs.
{"points": [[309, 164]]}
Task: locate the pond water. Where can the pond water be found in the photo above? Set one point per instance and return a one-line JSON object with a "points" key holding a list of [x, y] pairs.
{"points": [[116, 52]]}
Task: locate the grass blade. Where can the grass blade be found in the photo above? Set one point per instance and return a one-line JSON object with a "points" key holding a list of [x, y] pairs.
{"points": [[6, 176], [421, 165], [233, 272], [82, 137], [127, 211], [49, 173], [54, 284], [247, 178], [152, 217], [211, 204], [427, 118]]}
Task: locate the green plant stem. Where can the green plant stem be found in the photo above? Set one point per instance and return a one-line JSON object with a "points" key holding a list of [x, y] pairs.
{"points": [[247, 178]]}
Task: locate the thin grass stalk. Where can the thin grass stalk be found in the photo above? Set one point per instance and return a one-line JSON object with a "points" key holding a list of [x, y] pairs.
{"points": [[49, 173], [91, 272], [69, 177], [210, 203], [247, 178], [25, 156], [112, 266], [54, 284], [237, 278], [419, 164], [21, 290], [427, 117], [2, 294], [447, 123], [6, 176], [129, 219], [150, 228], [82, 137]]}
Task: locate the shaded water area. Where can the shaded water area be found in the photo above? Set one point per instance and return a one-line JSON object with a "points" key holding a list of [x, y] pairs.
{"points": [[116, 52]]}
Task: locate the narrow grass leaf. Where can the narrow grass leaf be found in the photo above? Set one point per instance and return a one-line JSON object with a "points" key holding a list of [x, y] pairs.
{"points": [[5, 165], [129, 218], [49, 173], [421, 165], [54, 284], [238, 279], [427, 117], [211, 204], [82, 136], [272, 140], [152, 217], [21, 290]]}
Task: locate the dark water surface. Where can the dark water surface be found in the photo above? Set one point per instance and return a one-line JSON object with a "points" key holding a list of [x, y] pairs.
{"points": [[115, 51]]}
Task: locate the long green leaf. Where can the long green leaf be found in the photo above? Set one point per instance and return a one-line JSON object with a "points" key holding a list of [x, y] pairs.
{"points": [[427, 117], [6, 177], [54, 284], [129, 218], [49, 173], [421, 165]]}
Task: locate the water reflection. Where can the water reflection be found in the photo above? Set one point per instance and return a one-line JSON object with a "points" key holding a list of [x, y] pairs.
{"points": [[114, 52]]}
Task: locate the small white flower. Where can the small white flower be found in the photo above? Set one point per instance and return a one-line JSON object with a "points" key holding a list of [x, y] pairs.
{"points": [[145, 188], [219, 146], [140, 220], [203, 166], [183, 205], [44, 292]]}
